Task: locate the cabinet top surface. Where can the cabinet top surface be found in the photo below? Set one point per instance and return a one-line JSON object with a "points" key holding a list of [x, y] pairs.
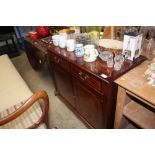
{"points": [[96, 68], [42, 46], [135, 81]]}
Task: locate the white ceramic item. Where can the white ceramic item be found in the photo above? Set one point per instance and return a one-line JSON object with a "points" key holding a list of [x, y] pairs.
{"points": [[62, 41], [55, 39], [70, 44], [90, 53]]}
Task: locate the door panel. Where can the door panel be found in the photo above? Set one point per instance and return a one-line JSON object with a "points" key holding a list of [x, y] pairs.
{"points": [[90, 104], [64, 84]]}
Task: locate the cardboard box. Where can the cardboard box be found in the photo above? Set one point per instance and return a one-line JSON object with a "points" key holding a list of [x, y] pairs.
{"points": [[132, 45]]}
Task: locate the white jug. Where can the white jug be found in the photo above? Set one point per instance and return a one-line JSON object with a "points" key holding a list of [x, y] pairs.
{"points": [[90, 53]]}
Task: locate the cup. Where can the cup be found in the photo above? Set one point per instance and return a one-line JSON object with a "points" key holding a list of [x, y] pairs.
{"points": [[79, 50], [55, 39], [62, 41], [119, 59], [110, 61], [104, 55], [70, 44], [117, 66]]}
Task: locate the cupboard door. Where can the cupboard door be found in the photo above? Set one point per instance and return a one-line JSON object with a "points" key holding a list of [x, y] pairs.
{"points": [[64, 84], [89, 104], [34, 57]]}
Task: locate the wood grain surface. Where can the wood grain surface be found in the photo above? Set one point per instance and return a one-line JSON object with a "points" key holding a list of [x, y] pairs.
{"points": [[135, 81]]}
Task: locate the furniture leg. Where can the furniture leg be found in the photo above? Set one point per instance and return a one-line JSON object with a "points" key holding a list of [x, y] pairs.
{"points": [[122, 99]]}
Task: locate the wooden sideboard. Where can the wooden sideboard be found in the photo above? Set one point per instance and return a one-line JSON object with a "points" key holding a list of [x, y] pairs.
{"points": [[79, 84], [81, 87]]}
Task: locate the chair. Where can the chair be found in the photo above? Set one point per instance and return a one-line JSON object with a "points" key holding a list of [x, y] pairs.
{"points": [[29, 114], [19, 106]]}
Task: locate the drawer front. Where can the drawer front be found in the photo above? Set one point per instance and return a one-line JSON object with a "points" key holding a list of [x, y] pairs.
{"points": [[59, 61], [86, 78]]}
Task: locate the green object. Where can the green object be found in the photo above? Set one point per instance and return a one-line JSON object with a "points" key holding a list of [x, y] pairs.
{"points": [[94, 36], [93, 28], [94, 33]]}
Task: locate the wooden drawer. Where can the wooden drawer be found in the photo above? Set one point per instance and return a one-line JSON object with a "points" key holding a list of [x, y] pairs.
{"points": [[86, 78], [59, 61]]}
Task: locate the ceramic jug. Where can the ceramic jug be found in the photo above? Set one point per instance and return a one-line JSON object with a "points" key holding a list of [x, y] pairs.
{"points": [[90, 53]]}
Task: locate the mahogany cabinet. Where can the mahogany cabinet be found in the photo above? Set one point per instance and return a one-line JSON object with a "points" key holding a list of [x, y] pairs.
{"points": [[82, 88], [80, 85]]}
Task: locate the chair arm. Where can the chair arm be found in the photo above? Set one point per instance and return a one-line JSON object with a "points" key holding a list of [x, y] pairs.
{"points": [[28, 103]]}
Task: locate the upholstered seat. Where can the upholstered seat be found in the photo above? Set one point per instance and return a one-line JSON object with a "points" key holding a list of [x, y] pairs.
{"points": [[13, 88], [19, 107], [25, 120]]}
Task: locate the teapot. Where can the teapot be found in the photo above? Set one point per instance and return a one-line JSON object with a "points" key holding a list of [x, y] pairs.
{"points": [[90, 53], [43, 31]]}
